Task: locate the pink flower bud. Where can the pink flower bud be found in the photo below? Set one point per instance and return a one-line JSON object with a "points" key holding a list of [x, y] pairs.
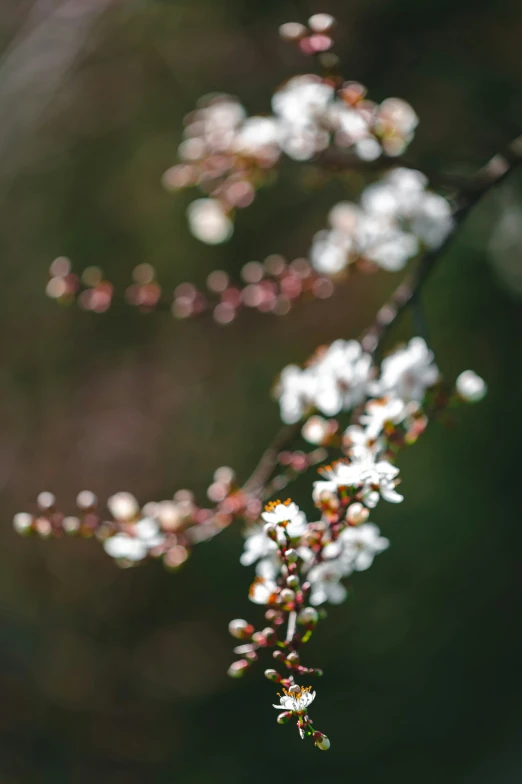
{"points": [[238, 668], [321, 741], [240, 629]]}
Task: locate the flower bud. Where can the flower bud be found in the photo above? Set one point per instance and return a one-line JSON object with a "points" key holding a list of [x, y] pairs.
{"points": [[45, 500], [284, 717], [238, 668], [273, 675], [471, 387], [291, 555], [287, 595], [308, 616], [278, 655], [292, 31], [356, 514], [240, 629], [269, 635], [123, 506], [321, 23], [292, 581], [321, 741], [23, 523], [315, 430], [71, 525], [270, 531], [86, 500], [295, 689], [293, 658]]}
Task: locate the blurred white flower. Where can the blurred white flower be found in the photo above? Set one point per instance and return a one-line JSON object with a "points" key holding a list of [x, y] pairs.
{"points": [[325, 580], [361, 544], [407, 373], [335, 380], [208, 221], [123, 506], [146, 536], [394, 214], [315, 430], [262, 590]]}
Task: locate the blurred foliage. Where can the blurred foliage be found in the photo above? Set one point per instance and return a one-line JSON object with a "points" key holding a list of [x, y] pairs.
{"points": [[119, 676]]}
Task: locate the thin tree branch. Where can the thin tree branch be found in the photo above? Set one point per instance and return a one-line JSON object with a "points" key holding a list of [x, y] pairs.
{"points": [[334, 159], [470, 193]]}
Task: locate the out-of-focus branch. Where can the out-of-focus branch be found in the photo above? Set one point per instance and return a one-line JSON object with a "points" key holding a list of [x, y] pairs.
{"points": [[334, 159], [470, 193], [477, 186]]}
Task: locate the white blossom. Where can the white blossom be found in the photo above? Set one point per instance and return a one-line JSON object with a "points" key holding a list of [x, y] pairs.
{"points": [[335, 380], [262, 590], [146, 536], [296, 701], [362, 472], [377, 413], [325, 580], [394, 214], [354, 550], [285, 512], [361, 544], [407, 373]]}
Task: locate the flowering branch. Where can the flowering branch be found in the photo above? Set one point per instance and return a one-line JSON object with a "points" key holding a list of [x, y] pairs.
{"points": [[342, 401]]}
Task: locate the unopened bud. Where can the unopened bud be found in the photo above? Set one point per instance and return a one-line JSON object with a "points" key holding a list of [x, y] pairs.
{"points": [[356, 514], [240, 629], [308, 616], [321, 741], [292, 31], [291, 555], [71, 525], [45, 500], [287, 595], [321, 23], [292, 581], [86, 499], [284, 717], [273, 675], [270, 635], [123, 506], [293, 658], [471, 387], [23, 523], [270, 531], [238, 668], [278, 655], [295, 689]]}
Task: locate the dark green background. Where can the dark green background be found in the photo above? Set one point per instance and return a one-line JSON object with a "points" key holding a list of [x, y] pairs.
{"points": [[118, 677]]}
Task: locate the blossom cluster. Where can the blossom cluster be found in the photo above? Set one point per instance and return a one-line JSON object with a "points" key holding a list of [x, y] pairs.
{"points": [[301, 564], [165, 530], [228, 154], [341, 376], [397, 217]]}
